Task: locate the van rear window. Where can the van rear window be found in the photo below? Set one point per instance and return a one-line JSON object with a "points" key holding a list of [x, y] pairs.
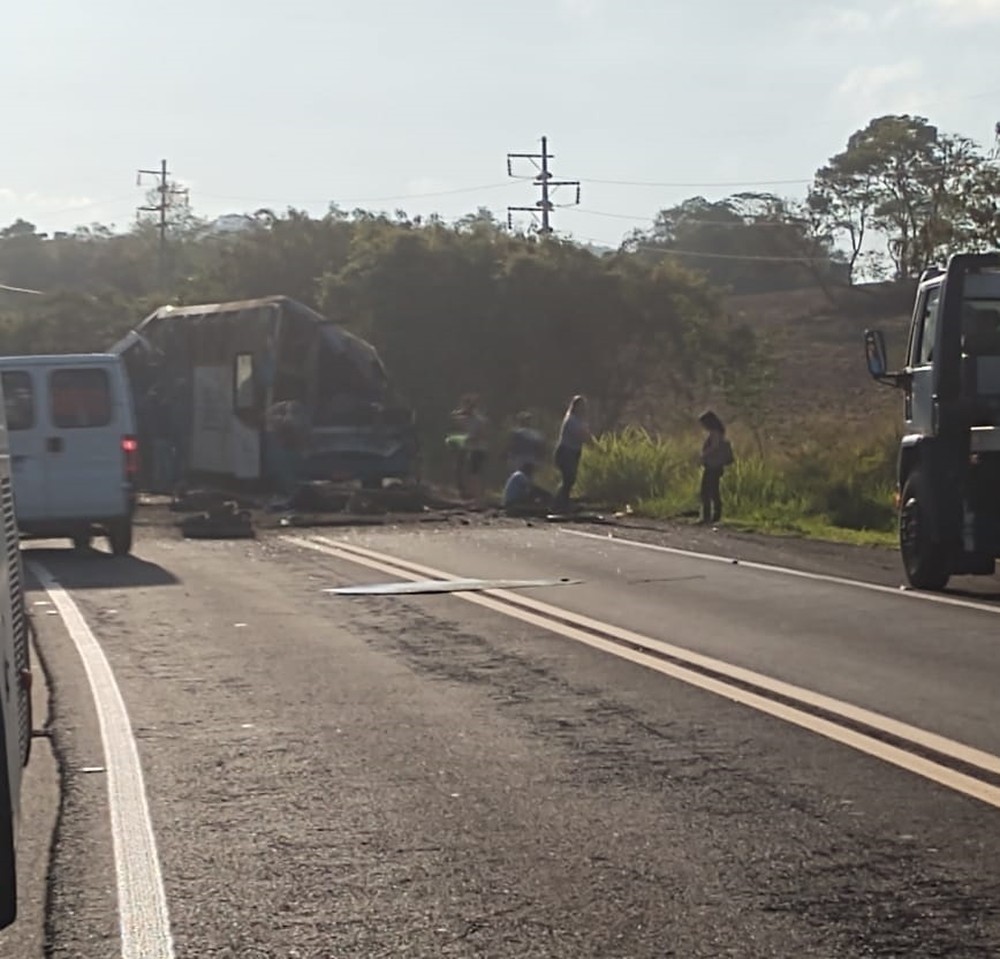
{"points": [[19, 399], [80, 398]]}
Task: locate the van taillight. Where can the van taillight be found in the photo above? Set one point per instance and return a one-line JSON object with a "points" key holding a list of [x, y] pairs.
{"points": [[130, 447]]}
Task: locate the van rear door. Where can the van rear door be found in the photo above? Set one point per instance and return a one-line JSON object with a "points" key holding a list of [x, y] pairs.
{"points": [[21, 390], [85, 459]]}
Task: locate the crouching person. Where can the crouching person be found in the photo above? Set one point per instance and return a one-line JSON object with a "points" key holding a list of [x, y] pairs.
{"points": [[521, 496]]}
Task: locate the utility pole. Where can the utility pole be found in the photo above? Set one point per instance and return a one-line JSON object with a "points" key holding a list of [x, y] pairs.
{"points": [[166, 191], [545, 182]]}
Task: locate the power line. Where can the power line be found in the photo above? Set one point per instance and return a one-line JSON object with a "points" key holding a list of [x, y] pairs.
{"points": [[734, 256], [84, 206], [364, 199], [694, 184], [19, 289], [545, 182], [695, 221]]}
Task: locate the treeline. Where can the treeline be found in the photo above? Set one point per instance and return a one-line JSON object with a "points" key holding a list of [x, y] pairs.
{"points": [[452, 308], [526, 321], [898, 198]]}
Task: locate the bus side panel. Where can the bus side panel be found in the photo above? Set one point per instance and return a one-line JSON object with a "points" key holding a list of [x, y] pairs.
{"points": [[15, 715], [15, 701], [13, 603]]}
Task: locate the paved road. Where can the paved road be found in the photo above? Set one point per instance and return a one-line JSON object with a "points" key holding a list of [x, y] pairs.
{"points": [[333, 776]]}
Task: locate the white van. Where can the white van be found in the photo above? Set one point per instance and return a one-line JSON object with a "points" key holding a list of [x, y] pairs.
{"points": [[15, 688], [73, 448]]}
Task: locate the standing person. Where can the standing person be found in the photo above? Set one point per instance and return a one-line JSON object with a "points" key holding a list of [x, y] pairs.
{"points": [[473, 449], [573, 435], [716, 455]]}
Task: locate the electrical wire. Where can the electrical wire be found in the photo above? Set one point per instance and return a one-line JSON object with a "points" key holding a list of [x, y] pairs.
{"points": [[735, 256], [695, 253], [367, 199], [686, 220], [84, 206], [693, 184]]}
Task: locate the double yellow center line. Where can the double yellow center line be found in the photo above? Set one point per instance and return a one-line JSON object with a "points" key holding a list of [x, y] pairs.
{"points": [[964, 769]]}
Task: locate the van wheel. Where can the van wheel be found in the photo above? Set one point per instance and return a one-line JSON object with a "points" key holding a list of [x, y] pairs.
{"points": [[120, 537], [924, 559], [82, 542]]}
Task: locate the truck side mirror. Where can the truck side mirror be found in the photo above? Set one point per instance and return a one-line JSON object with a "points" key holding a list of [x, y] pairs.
{"points": [[875, 354]]}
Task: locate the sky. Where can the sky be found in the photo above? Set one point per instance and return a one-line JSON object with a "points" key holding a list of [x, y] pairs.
{"points": [[414, 104]]}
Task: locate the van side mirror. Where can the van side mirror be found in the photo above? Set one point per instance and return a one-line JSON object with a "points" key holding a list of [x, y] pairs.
{"points": [[875, 354]]}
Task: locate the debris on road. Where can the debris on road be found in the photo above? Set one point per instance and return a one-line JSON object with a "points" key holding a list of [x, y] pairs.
{"points": [[446, 586], [590, 518], [226, 521]]}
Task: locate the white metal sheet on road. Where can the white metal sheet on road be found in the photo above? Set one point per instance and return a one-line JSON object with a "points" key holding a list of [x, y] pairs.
{"points": [[144, 921]]}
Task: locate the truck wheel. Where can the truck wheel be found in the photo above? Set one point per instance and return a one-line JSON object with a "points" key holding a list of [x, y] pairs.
{"points": [[120, 537], [924, 559]]}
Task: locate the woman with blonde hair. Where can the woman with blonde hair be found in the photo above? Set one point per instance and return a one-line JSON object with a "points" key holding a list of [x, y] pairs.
{"points": [[573, 435]]}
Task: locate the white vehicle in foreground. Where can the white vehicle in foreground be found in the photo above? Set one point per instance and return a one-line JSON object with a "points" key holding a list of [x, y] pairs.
{"points": [[73, 447]]}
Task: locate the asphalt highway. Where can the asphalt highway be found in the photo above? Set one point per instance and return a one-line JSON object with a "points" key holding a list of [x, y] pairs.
{"points": [[670, 755]]}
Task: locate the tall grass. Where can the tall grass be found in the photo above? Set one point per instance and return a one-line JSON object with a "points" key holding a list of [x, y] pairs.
{"points": [[828, 483]]}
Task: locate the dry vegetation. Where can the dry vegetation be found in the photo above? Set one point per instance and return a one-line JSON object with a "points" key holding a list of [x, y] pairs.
{"points": [[815, 344], [816, 454]]}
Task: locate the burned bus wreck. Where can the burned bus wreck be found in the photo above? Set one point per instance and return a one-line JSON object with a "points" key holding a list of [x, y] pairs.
{"points": [[207, 379]]}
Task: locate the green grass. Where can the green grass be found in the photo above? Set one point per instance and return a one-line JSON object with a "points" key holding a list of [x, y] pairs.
{"points": [[824, 487]]}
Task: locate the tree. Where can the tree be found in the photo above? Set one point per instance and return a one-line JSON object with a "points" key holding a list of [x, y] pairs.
{"points": [[842, 202], [925, 191], [747, 243]]}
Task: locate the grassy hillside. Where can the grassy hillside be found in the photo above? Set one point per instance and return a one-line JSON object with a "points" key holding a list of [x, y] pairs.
{"points": [[815, 342], [827, 434]]}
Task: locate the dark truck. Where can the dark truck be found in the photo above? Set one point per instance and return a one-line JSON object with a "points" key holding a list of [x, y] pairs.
{"points": [[204, 378], [949, 457]]}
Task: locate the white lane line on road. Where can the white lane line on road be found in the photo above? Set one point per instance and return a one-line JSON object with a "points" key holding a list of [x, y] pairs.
{"points": [[788, 571], [142, 903], [565, 623]]}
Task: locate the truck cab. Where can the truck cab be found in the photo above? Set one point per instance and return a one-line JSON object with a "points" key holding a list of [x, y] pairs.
{"points": [[949, 457]]}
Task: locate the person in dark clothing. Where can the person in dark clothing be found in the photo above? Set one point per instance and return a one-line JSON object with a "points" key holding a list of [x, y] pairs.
{"points": [[716, 455], [573, 436]]}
